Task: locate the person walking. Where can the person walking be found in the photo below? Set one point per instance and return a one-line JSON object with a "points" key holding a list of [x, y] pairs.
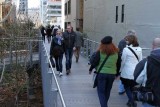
{"points": [[57, 50], [54, 30], [131, 55], [108, 72], [147, 73], [122, 44], [48, 32], [43, 32], [78, 44], [69, 41]]}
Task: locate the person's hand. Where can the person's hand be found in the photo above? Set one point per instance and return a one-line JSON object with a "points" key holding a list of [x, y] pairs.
{"points": [[74, 48], [117, 77]]}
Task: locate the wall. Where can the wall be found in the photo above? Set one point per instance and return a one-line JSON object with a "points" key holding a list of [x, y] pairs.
{"points": [[140, 15]]}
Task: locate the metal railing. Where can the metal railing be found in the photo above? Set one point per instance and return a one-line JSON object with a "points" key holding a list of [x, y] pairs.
{"points": [[91, 46], [51, 88], [4, 65]]}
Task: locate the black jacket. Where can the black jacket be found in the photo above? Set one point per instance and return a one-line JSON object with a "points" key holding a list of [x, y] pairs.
{"points": [[56, 48], [152, 73], [69, 39]]}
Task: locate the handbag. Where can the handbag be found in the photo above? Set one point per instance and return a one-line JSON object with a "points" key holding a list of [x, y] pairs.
{"points": [[96, 77], [143, 94]]}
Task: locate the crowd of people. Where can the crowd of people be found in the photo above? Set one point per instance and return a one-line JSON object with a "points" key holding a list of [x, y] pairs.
{"points": [[124, 62], [127, 64], [68, 42]]}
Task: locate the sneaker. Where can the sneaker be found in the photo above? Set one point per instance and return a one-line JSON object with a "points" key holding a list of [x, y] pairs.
{"points": [[60, 74]]}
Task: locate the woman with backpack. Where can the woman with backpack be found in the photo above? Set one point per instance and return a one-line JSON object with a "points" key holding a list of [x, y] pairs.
{"points": [[57, 50]]}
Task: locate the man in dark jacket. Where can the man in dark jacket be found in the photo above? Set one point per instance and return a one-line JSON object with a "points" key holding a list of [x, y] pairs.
{"points": [[69, 41], [147, 73], [43, 32]]}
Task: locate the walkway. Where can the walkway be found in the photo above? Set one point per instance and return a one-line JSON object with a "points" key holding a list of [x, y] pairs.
{"points": [[77, 87]]}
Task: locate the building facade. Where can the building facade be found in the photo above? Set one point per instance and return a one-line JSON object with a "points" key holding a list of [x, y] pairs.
{"points": [[73, 11], [7, 12], [115, 18], [51, 12]]}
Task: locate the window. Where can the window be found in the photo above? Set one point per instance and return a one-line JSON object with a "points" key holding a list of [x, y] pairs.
{"points": [[65, 25], [122, 14], [69, 7], [65, 9], [116, 21]]}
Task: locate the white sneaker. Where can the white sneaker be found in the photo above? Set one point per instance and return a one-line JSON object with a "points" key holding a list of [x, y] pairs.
{"points": [[60, 74]]}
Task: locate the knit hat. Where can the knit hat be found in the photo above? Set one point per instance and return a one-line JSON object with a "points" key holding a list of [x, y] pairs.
{"points": [[106, 40]]}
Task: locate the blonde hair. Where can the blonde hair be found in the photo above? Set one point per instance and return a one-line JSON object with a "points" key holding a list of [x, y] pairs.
{"points": [[59, 31]]}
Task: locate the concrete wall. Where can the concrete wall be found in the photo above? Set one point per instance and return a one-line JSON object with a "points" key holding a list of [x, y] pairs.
{"points": [[141, 15]]}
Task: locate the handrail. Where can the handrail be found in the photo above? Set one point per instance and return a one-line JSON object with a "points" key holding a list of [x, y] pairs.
{"points": [[99, 43], [4, 64], [55, 78]]}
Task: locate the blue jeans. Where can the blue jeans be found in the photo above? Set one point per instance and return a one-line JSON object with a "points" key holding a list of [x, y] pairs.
{"points": [[129, 93], [68, 54], [147, 105], [121, 87], [105, 82], [58, 60]]}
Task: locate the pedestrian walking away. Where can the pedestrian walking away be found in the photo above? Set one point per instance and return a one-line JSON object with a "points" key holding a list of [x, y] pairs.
{"points": [[147, 74], [43, 32], [131, 55], [122, 44], [48, 32], [107, 72]]}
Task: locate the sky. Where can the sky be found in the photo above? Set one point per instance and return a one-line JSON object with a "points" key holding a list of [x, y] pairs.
{"points": [[33, 3]]}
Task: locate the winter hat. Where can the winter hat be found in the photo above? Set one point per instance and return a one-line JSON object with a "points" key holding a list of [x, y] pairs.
{"points": [[106, 40], [131, 32]]}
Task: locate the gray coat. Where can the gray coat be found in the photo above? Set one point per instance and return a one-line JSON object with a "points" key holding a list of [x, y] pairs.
{"points": [[79, 39]]}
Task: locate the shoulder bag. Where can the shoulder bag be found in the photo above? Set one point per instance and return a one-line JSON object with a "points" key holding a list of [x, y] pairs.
{"points": [[133, 53]]}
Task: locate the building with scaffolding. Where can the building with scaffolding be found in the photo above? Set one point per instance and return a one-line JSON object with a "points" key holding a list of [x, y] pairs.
{"points": [[7, 11], [23, 7], [51, 12]]}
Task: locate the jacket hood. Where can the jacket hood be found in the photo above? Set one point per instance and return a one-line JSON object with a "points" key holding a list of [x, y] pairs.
{"points": [[156, 54]]}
